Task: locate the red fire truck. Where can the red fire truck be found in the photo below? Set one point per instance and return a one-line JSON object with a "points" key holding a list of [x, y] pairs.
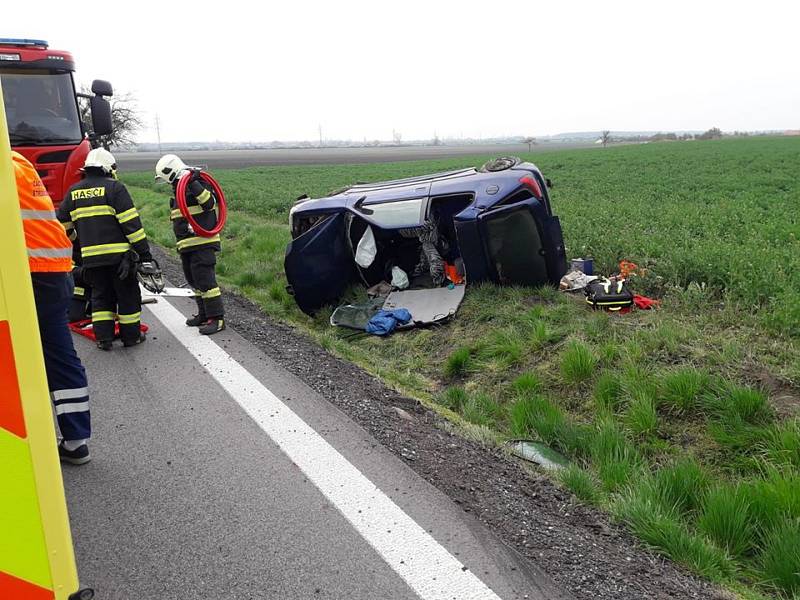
{"points": [[42, 111]]}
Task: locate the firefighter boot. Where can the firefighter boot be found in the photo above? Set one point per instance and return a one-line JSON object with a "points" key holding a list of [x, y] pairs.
{"points": [[200, 318], [142, 338], [196, 320], [212, 326]]}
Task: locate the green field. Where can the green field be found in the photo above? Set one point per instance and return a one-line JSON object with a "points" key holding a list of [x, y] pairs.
{"points": [[682, 422]]}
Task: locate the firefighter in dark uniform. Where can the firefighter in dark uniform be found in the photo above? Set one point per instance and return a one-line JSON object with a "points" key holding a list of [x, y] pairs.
{"points": [[198, 254], [80, 305], [113, 245]]}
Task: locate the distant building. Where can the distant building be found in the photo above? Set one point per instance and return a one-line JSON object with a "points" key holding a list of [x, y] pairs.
{"points": [[792, 132]]}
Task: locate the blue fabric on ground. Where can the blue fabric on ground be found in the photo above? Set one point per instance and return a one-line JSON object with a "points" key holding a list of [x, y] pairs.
{"points": [[385, 321]]}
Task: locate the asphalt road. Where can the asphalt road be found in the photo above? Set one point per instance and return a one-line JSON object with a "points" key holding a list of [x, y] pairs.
{"points": [[234, 159], [189, 495]]}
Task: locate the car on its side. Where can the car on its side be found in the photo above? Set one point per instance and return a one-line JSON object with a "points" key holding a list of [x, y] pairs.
{"points": [[495, 222]]}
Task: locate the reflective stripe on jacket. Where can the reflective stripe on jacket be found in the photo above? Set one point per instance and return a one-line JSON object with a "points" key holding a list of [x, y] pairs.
{"points": [[49, 248]]}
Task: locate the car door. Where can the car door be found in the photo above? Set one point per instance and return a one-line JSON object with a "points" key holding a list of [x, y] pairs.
{"points": [[319, 265], [522, 244]]}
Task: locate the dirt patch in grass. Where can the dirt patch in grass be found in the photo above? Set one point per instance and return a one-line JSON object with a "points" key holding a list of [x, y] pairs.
{"points": [[783, 396]]}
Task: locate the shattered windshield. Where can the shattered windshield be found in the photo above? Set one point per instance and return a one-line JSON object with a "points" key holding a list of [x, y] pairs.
{"points": [[40, 107]]}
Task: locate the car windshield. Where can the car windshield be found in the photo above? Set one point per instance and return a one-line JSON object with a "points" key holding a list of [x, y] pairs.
{"points": [[40, 107]]}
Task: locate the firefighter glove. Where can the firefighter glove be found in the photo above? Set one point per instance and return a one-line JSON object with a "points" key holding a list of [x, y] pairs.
{"points": [[127, 265]]}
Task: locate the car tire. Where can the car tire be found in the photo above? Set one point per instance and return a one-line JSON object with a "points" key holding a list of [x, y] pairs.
{"points": [[501, 163]]}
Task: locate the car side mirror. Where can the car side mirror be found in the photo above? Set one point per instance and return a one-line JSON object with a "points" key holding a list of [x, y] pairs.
{"points": [[101, 115], [102, 88]]}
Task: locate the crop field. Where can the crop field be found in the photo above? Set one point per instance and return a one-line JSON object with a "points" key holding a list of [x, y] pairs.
{"points": [[683, 423]]}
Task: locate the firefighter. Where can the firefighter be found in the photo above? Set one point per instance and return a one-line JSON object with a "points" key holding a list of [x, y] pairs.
{"points": [[49, 258], [99, 210], [198, 254], [80, 306]]}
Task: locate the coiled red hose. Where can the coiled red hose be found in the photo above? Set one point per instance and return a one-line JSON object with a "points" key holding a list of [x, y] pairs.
{"points": [[222, 207]]}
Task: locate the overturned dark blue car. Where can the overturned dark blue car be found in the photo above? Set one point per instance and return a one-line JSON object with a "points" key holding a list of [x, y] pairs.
{"points": [[416, 242]]}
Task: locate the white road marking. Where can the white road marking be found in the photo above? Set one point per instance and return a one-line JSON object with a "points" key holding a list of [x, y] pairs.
{"points": [[425, 565]]}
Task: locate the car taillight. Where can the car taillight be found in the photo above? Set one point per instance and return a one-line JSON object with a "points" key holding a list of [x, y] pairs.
{"points": [[533, 185]]}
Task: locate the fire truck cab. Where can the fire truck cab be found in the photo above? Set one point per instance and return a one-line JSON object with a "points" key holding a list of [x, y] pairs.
{"points": [[44, 118]]}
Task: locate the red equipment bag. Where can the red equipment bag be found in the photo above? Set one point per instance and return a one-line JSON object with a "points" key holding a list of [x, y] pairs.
{"points": [[85, 329]]}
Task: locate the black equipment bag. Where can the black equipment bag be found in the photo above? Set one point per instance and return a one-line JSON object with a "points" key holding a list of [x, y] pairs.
{"points": [[609, 294]]}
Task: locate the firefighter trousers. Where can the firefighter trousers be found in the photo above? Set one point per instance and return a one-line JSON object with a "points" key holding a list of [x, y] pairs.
{"points": [[80, 305], [66, 377], [112, 298], [199, 270]]}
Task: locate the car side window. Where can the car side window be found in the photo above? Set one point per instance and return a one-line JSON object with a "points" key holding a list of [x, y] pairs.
{"points": [[392, 215]]}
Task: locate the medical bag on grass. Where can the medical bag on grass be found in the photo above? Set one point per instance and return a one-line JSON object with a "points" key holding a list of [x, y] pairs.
{"points": [[609, 294]]}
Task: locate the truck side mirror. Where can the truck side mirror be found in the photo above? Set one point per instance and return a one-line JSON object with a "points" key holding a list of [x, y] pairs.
{"points": [[102, 88], [101, 115]]}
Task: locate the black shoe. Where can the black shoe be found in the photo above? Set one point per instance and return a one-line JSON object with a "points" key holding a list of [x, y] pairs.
{"points": [[79, 456], [105, 345], [196, 320], [142, 337], [212, 326]]}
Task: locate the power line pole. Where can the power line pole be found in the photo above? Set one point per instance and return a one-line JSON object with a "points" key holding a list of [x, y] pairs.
{"points": [[320, 135], [158, 133]]}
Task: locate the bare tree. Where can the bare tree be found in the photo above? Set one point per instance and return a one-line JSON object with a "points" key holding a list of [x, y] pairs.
{"points": [[605, 138], [531, 141], [125, 118]]}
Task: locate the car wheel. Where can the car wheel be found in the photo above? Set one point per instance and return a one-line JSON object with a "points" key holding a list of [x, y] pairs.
{"points": [[500, 164]]}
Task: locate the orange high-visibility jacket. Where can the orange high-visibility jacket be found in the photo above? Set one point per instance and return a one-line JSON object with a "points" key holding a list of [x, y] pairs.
{"points": [[49, 248]]}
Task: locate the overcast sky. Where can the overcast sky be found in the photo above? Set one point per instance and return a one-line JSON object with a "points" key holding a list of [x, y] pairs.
{"points": [[260, 71]]}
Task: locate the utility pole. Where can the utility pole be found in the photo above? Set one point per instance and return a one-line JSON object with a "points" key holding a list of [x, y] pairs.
{"points": [[158, 133], [320, 135]]}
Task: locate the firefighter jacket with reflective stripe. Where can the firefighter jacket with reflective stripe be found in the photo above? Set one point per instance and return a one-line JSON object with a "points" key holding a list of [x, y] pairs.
{"points": [[100, 210], [49, 248], [201, 204]]}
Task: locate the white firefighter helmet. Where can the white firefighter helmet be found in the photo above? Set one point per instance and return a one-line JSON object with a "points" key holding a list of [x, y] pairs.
{"points": [[169, 167], [101, 159]]}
